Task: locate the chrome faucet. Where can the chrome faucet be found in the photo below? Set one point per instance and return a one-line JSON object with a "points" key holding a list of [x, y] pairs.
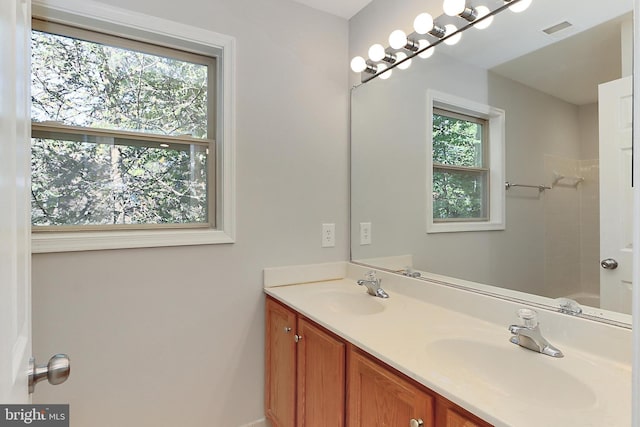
{"points": [[529, 335], [372, 283]]}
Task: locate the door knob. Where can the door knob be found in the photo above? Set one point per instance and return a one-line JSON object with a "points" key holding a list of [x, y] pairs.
{"points": [[56, 371], [416, 423], [609, 264]]}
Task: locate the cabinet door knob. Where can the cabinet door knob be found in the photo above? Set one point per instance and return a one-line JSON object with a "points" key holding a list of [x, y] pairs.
{"points": [[297, 338], [287, 330], [416, 423]]}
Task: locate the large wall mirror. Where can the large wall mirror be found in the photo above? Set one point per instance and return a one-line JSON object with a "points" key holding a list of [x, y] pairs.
{"points": [[560, 75]]}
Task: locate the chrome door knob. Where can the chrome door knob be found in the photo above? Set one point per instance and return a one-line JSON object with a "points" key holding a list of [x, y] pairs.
{"points": [[609, 264], [56, 371], [416, 423]]}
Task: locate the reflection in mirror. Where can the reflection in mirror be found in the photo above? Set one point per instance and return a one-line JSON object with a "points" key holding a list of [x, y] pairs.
{"points": [[566, 98]]}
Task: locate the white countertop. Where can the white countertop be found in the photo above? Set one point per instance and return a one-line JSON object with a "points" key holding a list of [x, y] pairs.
{"points": [[469, 360]]}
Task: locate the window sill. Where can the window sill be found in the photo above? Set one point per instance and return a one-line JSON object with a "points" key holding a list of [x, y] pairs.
{"points": [[100, 240], [456, 227]]}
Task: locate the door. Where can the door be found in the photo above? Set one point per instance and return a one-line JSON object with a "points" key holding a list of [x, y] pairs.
{"points": [[616, 195], [280, 365], [378, 397], [15, 221], [321, 378]]}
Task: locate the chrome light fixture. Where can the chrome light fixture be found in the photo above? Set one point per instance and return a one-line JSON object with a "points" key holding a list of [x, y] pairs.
{"points": [[402, 47]]}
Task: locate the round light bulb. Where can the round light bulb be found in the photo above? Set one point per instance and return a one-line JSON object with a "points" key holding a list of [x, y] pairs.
{"points": [[521, 6], [397, 39], [423, 23], [450, 29], [376, 52], [453, 7], [381, 68], [427, 53], [358, 64], [399, 57], [483, 11]]}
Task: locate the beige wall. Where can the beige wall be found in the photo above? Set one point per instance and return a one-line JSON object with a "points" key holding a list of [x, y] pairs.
{"points": [[174, 336]]}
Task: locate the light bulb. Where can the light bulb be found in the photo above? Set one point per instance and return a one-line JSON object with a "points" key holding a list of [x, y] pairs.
{"points": [[450, 29], [453, 7], [423, 23], [406, 64], [427, 53], [397, 39], [376, 52], [483, 11], [521, 6], [381, 68], [358, 64]]}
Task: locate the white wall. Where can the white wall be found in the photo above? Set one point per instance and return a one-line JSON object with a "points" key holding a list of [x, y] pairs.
{"points": [[174, 336]]}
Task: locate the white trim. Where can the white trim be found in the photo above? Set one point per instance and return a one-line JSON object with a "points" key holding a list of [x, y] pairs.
{"points": [[72, 241], [100, 16], [496, 118], [635, 378]]}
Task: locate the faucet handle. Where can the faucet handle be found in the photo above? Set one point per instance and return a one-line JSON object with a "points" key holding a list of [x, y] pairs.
{"points": [[529, 317], [370, 275]]}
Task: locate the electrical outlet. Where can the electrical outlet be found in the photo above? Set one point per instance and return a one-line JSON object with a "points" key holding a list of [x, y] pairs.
{"points": [[328, 235], [365, 233]]}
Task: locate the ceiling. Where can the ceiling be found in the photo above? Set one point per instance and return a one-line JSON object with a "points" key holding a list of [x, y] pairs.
{"points": [[572, 69], [342, 8]]}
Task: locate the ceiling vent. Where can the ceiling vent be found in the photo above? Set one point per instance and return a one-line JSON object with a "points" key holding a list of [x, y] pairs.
{"points": [[558, 27]]}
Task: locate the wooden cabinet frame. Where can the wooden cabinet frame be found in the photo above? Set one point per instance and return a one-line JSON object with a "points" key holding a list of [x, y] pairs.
{"points": [[304, 371]]}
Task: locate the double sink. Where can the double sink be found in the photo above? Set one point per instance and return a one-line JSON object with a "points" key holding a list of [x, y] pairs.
{"points": [[468, 359]]}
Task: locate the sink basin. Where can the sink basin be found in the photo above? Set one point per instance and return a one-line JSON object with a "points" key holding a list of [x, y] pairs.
{"points": [[350, 303], [512, 371]]}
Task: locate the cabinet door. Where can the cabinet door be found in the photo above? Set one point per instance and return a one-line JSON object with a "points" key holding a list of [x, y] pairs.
{"points": [[280, 367], [449, 414], [321, 378], [378, 397]]}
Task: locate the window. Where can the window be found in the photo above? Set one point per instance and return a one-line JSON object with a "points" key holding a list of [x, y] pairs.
{"points": [[121, 132], [460, 169], [465, 166], [129, 144]]}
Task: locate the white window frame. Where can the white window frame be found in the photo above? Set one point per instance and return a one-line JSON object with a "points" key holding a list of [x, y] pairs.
{"points": [[496, 147], [120, 22]]}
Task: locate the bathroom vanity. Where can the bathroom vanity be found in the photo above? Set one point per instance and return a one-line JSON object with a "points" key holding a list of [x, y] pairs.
{"points": [[309, 371], [430, 355]]}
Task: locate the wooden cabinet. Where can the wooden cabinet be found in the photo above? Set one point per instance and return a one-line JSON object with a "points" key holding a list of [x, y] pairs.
{"points": [[314, 379], [305, 371], [379, 397], [449, 414], [280, 368]]}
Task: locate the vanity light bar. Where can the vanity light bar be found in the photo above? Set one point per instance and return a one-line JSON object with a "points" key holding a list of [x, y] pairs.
{"points": [[382, 60]]}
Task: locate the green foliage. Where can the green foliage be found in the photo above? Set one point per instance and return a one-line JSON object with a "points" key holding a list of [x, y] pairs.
{"points": [[457, 194], [87, 84]]}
